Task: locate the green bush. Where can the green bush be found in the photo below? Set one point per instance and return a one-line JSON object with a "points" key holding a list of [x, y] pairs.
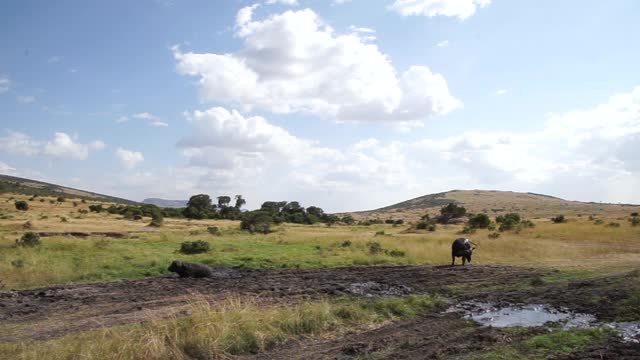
{"points": [[493, 235], [60, 199], [29, 239], [468, 230], [395, 253], [21, 205], [431, 227], [375, 248], [635, 221], [213, 230], [346, 243], [559, 219], [480, 221], [257, 221], [194, 247], [156, 219], [379, 233]]}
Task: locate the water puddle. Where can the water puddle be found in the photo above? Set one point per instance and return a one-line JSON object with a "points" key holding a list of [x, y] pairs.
{"points": [[630, 331], [540, 315], [525, 315]]}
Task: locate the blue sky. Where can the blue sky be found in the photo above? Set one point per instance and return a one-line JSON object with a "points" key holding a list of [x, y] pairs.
{"points": [[346, 105]]}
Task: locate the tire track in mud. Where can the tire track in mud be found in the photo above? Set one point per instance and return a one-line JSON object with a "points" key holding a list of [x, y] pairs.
{"points": [[59, 310]]}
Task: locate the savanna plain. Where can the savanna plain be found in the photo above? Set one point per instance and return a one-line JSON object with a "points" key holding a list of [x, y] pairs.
{"points": [[97, 286]]}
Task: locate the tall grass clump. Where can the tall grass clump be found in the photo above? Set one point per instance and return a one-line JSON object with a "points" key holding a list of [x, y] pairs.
{"points": [[233, 327]]}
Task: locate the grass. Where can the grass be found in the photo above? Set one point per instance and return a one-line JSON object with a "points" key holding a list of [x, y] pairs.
{"points": [[233, 327], [548, 346], [577, 246]]}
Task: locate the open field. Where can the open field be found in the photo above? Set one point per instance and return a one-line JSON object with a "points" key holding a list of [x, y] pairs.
{"points": [[116, 292]]}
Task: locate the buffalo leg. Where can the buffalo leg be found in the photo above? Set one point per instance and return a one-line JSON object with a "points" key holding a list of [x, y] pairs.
{"points": [[464, 260]]}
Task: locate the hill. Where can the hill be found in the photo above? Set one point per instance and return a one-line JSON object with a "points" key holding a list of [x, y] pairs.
{"points": [[166, 203], [494, 203], [12, 184]]}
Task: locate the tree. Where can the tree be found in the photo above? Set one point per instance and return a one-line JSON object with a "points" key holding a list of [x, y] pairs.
{"points": [[273, 207], [480, 221], [239, 202], [156, 219], [223, 201], [348, 219], [256, 221], [21, 205], [29, 239], [198, 207], [559, 219], [451, 211]]}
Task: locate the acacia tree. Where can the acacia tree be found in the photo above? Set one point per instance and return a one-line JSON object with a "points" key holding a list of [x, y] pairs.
{"points": [[240, 201], [198, 207], [223, 201]]}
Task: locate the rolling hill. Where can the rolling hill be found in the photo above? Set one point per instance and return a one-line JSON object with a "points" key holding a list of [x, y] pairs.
{"points": [[12, 184], [166, 203], [493, 202]]}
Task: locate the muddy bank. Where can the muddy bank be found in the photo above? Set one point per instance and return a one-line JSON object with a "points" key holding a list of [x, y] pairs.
{"points": [[427, 337], [608, 298], [54, 311]]}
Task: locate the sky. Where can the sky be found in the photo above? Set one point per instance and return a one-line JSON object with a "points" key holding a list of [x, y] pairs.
{"points": [[343, 104]]}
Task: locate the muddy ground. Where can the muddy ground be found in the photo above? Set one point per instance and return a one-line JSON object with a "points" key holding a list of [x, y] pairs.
{"points": [[60, 310]]}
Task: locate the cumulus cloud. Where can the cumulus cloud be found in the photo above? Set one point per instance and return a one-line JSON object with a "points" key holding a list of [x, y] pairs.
{"points": [[294, 62], [61, 146], [6, 169], [129, 158], [501, 91], [122, 119], [444, 43], [158, 124], [284, 2], [588, 154], [461, 9], [5, 83]]}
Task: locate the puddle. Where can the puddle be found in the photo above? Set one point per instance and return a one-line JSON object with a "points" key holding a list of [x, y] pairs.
{"points": [[630, 331], [525, 315], [540, 315]]}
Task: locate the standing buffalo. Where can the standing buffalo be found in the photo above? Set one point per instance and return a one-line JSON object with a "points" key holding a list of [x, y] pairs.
{"points": [[461, 247]]}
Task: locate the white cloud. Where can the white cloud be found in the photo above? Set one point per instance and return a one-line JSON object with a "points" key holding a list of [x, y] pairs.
{"points": [[158, 124], [129, 158], [144, 116], [293, 62], [582, 154], [284, 2], [455, 8], [6, 169], [19, 144], [5, 83], [27, 99], [122, 119], [340, 2], [444, 43], [63, 146], [361, 29], [502, 91]]}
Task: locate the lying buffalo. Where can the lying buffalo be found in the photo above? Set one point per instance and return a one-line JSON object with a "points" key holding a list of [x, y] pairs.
{"points": [[462, 247], [185, 269]]}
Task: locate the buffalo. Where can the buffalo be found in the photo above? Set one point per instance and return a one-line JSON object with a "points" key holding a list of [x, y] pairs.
{"points": [[462, 247], [185, 269]]}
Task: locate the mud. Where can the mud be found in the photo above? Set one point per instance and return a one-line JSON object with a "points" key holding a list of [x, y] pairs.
{"points": [[58, 310], [116, 235], [428, 337]]}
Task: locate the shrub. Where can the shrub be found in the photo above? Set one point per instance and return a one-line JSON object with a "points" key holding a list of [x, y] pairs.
{"points": [[29, 239], [19, 263], [389, 221], [379, 233], [194, 247], [375, 248], [52, 201], [431, 227], [156, 219], [599, 222], [399, 222], [527, 224], [396, 253], [613, 224], [634, 214], [27, 226], [491, 227], [21, 205], [60, 199], [63, 219], [41, 200], [257, 221], [422, 225], [635, 221], [559, 219], [213, 230], [480, 221], [346, 243], [468, 230], [83, 211], [493, 235], [75, 204]]}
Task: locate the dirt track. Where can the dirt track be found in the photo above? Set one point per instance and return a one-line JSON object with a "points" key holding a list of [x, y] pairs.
{"points": [[54, 311]]}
